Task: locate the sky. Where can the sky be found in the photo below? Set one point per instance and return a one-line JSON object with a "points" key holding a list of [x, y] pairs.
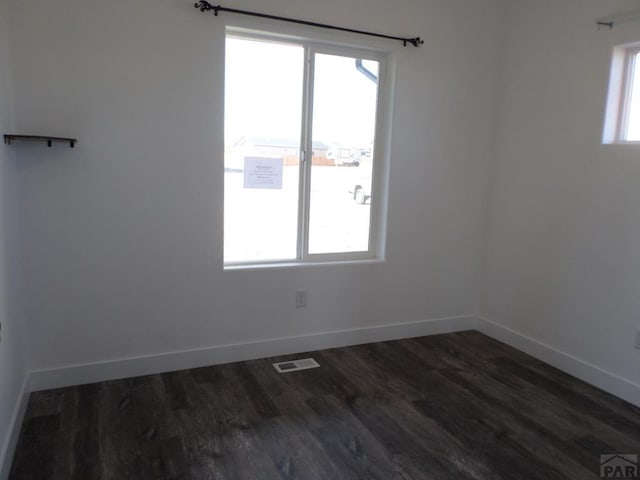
{"points": [[264, 90], [633, 128]]}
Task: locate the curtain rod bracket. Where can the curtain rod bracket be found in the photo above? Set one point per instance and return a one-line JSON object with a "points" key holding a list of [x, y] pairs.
{"points": [[615, 20], [605, 24], [205, 6]]}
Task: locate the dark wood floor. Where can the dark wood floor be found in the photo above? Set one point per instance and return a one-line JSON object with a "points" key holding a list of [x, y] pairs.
{"points": [[456, 406]]}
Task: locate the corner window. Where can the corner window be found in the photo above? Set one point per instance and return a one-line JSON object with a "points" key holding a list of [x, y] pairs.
{"points": [[622, 124], [303, 174]]}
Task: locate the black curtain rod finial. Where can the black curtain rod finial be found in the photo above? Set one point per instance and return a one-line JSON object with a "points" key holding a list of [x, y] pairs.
{"points": [[205, 6], [202, 6]]}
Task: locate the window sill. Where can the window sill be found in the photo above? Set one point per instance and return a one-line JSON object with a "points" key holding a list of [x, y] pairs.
{"points": [[298, 264], [623, 142]]}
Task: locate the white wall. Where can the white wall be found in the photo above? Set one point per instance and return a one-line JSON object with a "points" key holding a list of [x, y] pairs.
{"points": [[12, 347], [122, 235], [563, 263]]}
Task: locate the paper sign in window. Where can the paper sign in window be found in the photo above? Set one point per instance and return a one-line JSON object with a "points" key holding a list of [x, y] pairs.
{"points": [[263, 172]]}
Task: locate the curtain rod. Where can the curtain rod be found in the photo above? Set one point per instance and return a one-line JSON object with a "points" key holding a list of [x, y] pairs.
{"points": [[205, 6], [613, 20]]}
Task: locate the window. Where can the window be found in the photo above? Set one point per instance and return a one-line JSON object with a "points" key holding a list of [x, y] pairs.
{"points": [[303, 174], [622, 124]]}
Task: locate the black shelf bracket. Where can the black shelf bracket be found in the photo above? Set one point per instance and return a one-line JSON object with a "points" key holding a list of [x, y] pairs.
{"points": [[8, 139]]}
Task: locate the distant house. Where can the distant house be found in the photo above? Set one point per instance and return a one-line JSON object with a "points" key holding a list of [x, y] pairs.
{"points": [[287, 149]]}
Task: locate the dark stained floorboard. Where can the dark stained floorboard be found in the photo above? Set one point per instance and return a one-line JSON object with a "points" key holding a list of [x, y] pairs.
{"points": [[456, 406]]}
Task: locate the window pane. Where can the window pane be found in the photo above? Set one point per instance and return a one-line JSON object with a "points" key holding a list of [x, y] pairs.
{"points": [[633, 126], [344, 117], [263, 112]]}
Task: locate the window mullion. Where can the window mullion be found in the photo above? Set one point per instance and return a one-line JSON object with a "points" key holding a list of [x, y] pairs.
{"points": [[307, 155]]}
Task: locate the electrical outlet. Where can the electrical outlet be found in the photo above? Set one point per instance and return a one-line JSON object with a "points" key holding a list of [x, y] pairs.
{"points": [[637, 338], [301, 298]]}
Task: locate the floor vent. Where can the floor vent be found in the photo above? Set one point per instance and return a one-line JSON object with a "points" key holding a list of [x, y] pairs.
{"points": [[296, 365]]}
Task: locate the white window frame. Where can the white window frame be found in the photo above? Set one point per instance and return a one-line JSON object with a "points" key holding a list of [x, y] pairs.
{"points": [[631, 67], [380, 160], [623, 67]]}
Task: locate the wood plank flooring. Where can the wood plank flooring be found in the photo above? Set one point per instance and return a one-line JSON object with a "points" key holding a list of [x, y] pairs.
{"points": [[455, 406]]}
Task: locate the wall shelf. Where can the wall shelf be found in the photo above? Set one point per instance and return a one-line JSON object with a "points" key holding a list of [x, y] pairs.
{"points": [[37, 138]]}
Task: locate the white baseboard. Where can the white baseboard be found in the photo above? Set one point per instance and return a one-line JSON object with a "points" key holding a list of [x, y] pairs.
{"points": [[13, 432], [603, 379], [166, 362]]}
